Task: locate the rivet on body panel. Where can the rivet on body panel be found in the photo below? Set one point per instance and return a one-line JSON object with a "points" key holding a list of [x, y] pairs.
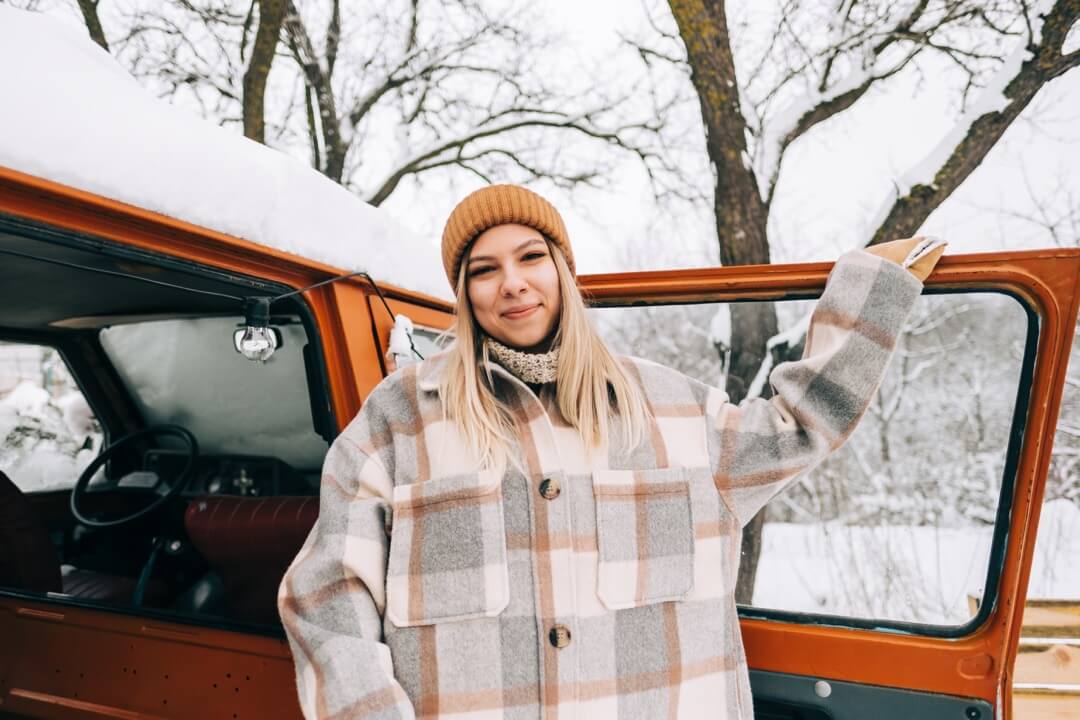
{"points": [[976, 666]]}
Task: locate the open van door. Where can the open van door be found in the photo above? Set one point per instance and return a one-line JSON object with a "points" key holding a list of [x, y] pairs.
{"points": [[891, 580]]}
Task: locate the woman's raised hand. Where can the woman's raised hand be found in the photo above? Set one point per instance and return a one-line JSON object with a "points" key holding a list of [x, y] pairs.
{"points": [[927, 251]]}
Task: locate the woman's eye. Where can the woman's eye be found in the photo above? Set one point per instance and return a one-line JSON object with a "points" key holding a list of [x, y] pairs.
{"points": [[479, 271], [534, 255]]}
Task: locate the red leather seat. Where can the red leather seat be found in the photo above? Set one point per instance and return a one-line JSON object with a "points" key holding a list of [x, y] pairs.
{"points": [[28, 559], [91, 585], [250, 542]]}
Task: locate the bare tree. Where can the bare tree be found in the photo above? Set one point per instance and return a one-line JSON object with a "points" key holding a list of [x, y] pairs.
{"points": [[819, 62], [376, 93]]}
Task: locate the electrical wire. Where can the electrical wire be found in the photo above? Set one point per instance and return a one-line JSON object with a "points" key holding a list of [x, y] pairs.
{"points": [[162, 283], [366, 276], [117, 273], [325, 282]]}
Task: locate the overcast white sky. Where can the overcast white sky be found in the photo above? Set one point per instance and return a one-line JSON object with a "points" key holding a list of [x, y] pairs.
{"points": [[833, 180]]}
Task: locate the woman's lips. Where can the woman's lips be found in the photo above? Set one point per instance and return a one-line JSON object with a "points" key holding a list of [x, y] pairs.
{"points": [[522, 313]]}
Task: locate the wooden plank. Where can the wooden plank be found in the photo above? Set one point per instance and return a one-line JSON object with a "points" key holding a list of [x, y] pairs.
{"points": [[1052, 603], [1051, 618], [1043, 689], [1058, 664], [1046, 676], [1045, 707], [1030, 644]]}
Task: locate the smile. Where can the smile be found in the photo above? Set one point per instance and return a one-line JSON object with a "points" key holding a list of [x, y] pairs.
{"points": [[522, 313]]}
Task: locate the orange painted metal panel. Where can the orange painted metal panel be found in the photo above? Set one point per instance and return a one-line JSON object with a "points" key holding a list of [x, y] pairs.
{"points": [[68, 662]]}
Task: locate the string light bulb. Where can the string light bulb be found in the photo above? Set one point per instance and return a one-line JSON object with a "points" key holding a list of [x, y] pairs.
{"points": [[257, 341]]}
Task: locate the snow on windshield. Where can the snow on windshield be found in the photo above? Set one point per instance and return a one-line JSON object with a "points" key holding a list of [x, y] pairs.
{"points": [[186, 372], [74, 116]]}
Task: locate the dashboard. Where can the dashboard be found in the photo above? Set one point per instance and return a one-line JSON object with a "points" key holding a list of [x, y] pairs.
{"points": [[247, 475]]}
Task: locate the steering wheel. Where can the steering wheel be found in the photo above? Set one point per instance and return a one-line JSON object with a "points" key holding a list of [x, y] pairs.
{"points": [[166, 491]]}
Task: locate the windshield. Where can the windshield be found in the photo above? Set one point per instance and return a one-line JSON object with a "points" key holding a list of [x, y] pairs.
{"points": [[186, 372]]}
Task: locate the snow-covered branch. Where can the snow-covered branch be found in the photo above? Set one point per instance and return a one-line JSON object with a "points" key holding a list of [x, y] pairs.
{"points": [[862, 45], [1035, 60], [790, 338]]}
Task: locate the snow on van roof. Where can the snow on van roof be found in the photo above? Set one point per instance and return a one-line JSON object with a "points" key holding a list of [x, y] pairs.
{"points": [[74, 116]]}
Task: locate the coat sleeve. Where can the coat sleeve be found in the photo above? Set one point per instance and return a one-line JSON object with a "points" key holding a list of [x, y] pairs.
{"points": [[332, 597], [759, 446]]}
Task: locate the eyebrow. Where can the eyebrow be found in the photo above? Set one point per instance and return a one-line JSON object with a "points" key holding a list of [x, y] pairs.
{"points": [[520, 247]]}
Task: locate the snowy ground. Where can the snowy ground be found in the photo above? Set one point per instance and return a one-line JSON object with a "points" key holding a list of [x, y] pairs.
{"points": [[921, 574]]}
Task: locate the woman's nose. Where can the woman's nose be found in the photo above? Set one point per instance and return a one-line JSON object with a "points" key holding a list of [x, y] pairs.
{"points": [[513, 282]]}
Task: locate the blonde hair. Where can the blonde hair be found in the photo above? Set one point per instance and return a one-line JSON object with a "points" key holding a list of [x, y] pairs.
{"points": [[591, 384]]}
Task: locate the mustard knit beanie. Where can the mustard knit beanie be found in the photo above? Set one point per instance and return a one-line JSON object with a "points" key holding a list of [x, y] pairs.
{"points": [[499, 205]]}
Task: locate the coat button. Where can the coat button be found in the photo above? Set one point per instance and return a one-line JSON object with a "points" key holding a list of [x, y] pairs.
{"points": [[550, 489], [559, 636]]}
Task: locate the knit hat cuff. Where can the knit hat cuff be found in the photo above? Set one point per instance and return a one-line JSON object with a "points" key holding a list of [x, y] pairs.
{"points": [[499, 205]]}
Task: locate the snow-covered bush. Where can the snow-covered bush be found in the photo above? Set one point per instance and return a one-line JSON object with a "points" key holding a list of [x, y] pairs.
{"points": [[47, 431]]}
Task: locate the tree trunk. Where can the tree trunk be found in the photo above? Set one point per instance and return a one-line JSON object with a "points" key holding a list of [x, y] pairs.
{"points": [[751, 325], [93, 23], [271, 15], [741, 214]]}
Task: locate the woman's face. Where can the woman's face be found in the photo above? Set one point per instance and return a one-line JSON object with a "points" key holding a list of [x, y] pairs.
{"points": [[513, 286]]}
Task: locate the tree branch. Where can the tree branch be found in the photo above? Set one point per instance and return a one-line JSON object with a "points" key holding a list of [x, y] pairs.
{"points": [[334, 149], [333, 37], [928, 184], [93, 22], [828, 99], [414, 22], [313, 128], [427, 159]]}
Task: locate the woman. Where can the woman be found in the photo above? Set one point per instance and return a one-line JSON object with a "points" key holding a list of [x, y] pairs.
{"points": [[526, 526]]}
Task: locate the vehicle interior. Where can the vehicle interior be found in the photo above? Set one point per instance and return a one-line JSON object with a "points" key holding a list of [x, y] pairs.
{"points": [[198, 482]]}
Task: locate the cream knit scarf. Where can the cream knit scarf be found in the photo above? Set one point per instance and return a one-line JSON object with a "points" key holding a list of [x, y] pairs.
{"points": [[533, 368]]}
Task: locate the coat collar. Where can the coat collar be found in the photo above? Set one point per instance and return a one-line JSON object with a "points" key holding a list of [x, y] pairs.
{"points": [[429, 372]]}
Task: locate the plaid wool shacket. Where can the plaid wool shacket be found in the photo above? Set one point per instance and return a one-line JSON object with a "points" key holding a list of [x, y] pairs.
{"points": [[576, 589]]}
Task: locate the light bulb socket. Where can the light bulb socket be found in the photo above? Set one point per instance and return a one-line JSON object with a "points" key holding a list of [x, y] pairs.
{"points": [[257, 312]]}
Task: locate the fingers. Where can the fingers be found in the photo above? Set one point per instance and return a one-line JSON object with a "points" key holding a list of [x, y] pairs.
{"points": [[918, 254], [922, 267]]}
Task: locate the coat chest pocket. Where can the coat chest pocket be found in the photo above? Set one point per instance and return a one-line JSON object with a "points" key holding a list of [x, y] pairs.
{"points": [[645, 536], [447, 551]]}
